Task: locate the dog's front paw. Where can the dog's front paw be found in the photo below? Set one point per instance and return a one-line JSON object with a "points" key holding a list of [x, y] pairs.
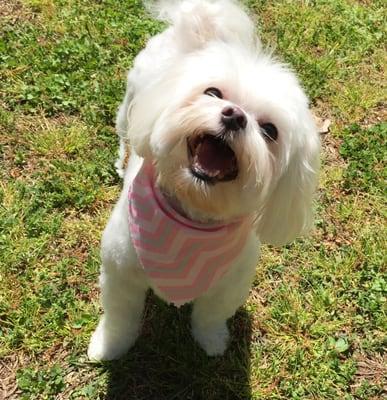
{"points": [[106, 345], [213, 340]]}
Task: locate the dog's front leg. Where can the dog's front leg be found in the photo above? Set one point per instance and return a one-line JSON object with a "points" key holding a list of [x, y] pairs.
{"points": [[211, 311], [122, 299]]}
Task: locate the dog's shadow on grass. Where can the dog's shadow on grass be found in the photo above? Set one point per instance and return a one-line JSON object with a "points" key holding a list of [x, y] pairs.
{"points": [[166, 363]]}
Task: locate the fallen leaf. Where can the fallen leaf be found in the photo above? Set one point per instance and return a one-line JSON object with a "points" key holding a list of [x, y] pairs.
{"points": [[322, 124]]}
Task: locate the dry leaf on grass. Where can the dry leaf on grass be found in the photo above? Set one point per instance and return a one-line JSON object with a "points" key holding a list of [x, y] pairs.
{"points": [[322, 124]]}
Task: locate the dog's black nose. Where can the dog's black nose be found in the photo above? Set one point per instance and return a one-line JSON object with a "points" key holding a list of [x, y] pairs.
{"points": [[233, 118]]}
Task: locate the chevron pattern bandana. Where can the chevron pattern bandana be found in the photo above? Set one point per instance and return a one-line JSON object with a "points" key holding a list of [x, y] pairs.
{"points": [[182, 258]]}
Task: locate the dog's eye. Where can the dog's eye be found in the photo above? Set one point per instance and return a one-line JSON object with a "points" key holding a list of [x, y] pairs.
{"points": [[269, 131], [214, 92]]}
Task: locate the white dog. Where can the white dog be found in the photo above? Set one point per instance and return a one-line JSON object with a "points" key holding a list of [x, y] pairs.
{"points": [[224, 155]]}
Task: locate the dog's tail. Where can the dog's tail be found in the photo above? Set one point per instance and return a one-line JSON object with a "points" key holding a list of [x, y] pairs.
{"points": [[196, 22]]}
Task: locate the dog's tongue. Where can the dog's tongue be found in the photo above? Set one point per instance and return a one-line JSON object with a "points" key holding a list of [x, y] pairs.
{"points": [[214, 158]]}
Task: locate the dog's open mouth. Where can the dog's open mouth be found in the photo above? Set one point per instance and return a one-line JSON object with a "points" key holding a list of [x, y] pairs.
{"points": [[211, 158]]}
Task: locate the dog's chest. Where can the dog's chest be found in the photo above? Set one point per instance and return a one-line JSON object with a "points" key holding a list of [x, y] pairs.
{"points": [[182, 259]]}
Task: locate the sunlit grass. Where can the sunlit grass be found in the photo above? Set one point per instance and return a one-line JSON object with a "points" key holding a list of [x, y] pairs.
{"points": [[314, 325]]}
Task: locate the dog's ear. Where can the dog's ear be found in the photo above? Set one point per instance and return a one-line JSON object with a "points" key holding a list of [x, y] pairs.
{"points": [[197, 22], [146, 111], [288, 212]]}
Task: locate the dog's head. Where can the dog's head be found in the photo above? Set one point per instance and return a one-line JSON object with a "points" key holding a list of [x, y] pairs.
{"points": [[230, 134]]}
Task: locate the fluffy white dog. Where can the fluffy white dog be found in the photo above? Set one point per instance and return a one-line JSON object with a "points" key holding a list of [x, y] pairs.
{"points": [[224, 155]]}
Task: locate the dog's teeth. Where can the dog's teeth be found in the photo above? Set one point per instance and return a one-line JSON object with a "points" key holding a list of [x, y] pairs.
{"points": [[211, 158]]}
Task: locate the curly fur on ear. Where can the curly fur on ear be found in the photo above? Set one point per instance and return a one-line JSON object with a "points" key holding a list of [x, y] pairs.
{"points": [[288, 211]]}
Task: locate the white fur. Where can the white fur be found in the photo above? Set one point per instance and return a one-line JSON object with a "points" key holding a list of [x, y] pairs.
{"points": [[208, 44]]}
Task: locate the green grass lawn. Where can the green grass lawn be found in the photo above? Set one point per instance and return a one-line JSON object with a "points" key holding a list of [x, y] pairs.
{"points": [[314, 326]]}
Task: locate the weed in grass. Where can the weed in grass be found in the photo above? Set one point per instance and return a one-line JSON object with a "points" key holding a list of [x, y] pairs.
{"points": [[46, 383], [365, 152]]}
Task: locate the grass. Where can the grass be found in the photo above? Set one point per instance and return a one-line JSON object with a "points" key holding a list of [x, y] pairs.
{"points": [[314, 326]]}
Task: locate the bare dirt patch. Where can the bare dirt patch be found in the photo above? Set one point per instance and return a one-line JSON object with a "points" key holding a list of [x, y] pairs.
{"points": [[330, 147], [13, 11], [373, 370], [8, 368], [375, 116]]}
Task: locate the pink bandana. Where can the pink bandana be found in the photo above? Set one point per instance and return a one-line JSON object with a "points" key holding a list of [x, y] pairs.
{"points": [[182, 258]]}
